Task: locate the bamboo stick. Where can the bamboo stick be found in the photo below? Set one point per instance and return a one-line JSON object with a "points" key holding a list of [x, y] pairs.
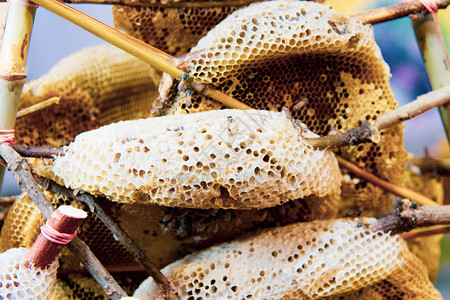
{"points": [[38, 106], [397, 190], [420, 232], [432, 46], [141, 50], [13, 58]]}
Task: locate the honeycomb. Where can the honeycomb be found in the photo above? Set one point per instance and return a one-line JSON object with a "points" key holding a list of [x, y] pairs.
{"points": [[170, 26], [328, 258], [20, 282], [321, 65], [97, 86], [77, 287], [162, 27], [22, 225], [217, 159]]}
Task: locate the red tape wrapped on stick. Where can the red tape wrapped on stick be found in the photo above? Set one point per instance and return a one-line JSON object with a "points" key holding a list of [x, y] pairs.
{"points": [[7, 136], [59, 230], [430, 5]]}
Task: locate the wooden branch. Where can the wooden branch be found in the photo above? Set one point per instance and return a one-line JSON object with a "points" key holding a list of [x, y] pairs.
{"points": [[408, 216], [98, 209], [37, 107], [426, 232], [370, 132], [21, 171], [38, 151], [141, 50], [8, 201], [395, 11], [66, 220], [394, 189]]}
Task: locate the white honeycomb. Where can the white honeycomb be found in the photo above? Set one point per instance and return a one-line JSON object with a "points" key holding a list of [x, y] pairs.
{"points": [[298, 261], [217, 159], [18, 282]]}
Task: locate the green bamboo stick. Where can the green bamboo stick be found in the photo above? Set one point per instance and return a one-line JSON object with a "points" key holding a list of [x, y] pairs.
{"points": [[13, 57], [434, 53]]}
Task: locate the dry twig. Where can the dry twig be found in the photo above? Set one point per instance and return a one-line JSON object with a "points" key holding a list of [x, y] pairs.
{"points": [[37, 151], [408, 216], [21, 170], [97, 208], [3, 215]]}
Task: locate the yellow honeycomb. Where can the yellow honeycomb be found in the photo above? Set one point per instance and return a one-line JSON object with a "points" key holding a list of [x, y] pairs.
{"points": [[320, 64], [97, 86], [155, 25]]}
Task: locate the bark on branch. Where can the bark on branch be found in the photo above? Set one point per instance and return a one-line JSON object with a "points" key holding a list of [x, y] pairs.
{"points": [[408, 216], [392, 12]]}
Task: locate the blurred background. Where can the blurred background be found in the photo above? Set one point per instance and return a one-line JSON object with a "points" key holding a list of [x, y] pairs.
{"points": [[54, 38]]}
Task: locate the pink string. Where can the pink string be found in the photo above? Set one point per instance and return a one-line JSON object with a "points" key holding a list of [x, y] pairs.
{"points": [[24, 3], [7, 136], [430, 5], [55, 236]]}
